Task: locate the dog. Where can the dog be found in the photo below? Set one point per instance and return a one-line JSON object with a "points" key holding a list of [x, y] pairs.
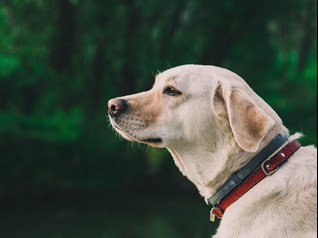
{"points": [[214, 125]]}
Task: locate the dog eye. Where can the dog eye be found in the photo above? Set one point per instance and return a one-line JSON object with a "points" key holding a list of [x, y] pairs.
{"points": [[171, 91]]}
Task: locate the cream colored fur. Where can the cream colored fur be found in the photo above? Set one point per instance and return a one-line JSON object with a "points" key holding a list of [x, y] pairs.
{"points": [[212, 125]]}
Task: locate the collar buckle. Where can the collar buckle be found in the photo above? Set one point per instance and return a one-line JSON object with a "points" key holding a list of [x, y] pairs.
{"points": [[267, 169]]}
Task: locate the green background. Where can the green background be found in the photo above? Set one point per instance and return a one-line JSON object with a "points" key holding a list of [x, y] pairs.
{"points": [[63, 171]]}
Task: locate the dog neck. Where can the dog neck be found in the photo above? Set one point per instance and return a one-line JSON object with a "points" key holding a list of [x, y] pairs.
{"points": [[209, 168], [205, 167], [261, 166]]}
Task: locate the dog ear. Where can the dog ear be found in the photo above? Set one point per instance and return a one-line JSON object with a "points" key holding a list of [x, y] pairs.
{"points": [[248, 122]]}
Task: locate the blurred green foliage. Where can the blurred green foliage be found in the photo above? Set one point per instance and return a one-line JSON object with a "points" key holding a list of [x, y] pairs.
{"points": [[75, 217], [60, 61]]}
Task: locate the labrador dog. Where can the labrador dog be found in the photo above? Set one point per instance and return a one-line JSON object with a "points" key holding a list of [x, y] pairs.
{"points": [[214, 124]]}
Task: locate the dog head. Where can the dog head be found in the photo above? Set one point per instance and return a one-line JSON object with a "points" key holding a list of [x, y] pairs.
{"points": [[190, 103]]}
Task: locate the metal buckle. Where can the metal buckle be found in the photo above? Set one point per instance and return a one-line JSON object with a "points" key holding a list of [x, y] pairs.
{"points": [[213, 214], [265, 166]]}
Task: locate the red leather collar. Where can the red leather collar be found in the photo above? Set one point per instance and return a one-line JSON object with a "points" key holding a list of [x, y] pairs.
{"points": [[267, 168]]}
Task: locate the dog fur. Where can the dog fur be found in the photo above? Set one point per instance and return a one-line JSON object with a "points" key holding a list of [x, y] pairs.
{"points": [[213, 123]]}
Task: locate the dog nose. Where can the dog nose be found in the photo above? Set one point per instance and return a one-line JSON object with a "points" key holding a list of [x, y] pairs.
{"points": [[116, 106]]}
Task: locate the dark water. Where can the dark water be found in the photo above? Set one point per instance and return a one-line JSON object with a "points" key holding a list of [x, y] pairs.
{"points": [[107, 216]]}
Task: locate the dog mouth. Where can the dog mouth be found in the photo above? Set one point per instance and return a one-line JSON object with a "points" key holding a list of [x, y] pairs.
{"points": [[153, 140], [129, 136]]}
